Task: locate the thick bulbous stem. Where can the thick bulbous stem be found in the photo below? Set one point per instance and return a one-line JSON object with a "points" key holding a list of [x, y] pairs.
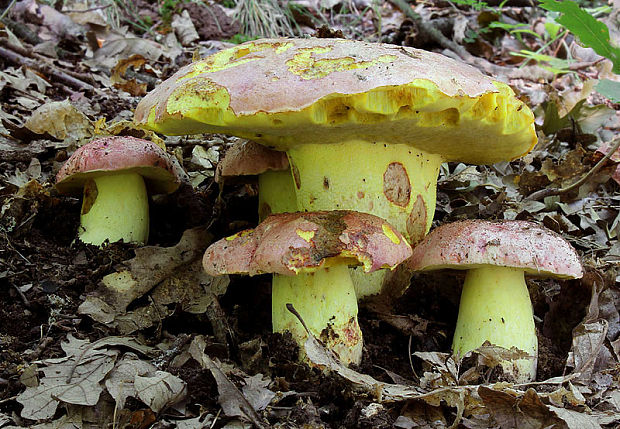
{"points": [[327, 303], [115, 207], [396, 182], [495, 306]]}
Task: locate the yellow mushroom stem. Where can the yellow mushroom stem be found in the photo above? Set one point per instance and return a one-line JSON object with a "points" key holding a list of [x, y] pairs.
{"points": [[396, 182], [378, 178], [276, 193], [115, 207], [326, 301], [495, 306]]}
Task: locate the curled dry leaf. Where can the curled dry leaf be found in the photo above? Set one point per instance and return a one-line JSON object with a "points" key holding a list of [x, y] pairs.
{"points": [[62, 121], [184, 28], [159, 389], [120, 382], [131, 86], [232, 401]]}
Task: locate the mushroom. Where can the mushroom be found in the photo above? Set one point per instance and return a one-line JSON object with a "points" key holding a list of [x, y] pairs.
{"points": [[276, 192], [365, 125], [309, 255], [114, 173], [495, 303]]}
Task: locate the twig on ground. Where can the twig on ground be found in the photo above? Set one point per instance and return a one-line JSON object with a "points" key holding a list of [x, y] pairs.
{"points": [[8, 8], [46, 69], [544, 193]]}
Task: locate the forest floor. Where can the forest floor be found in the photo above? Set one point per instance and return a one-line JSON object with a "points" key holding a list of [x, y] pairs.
{"points": [[183, 349]]}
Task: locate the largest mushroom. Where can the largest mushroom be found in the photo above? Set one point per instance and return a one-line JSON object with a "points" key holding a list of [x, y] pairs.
{"points": [[365, 125]]}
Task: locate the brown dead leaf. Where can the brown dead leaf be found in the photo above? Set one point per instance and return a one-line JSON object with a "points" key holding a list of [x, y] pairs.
{"points": [[575, 419], [184, 28], [233, 402], [518, 411], [170, 275], [62, 121], [589, 357], [615, 158], [131, 86]]}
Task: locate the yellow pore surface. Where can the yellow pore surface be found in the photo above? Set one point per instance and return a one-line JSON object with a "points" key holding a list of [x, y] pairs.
{"points": [[483, 129]]}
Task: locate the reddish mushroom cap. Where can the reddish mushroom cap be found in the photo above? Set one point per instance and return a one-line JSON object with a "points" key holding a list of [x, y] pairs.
{"points": [[248, 158], [290, 243], [476, 243], [108, 155]]}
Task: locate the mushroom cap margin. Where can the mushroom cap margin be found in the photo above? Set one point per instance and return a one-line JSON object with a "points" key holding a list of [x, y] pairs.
{"points": [[290, 243], [472, 244], [109, 155]]}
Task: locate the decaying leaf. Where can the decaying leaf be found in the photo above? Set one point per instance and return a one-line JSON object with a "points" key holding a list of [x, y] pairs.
{"points": [[120, 382], [62, 121], [128, 85], [74, 379], [170, 275], [184, 28], [159, 389], [514, 411], [232, 401]]}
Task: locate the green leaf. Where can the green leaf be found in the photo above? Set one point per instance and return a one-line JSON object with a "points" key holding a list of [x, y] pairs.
{"points": [[589, 30], [609, 89], [553, 122]]}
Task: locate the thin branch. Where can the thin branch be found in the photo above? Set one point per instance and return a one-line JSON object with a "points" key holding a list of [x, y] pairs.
{"points": [[46, 69], [543, 193], [8, 8]]}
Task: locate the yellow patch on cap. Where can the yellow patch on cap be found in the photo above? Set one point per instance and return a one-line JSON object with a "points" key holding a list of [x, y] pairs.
{"points": [[233, 57], [306, 235], [389, 232], [239, 234], [307, 67]]}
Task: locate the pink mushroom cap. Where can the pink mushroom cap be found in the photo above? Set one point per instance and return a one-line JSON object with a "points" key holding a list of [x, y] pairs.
{"points": [[476, 243], [290, 243], [110, 155], [248, 158]]}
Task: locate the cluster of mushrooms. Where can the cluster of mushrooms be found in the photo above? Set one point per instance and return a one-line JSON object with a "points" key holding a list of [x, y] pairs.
{"points": [[346, 139]]}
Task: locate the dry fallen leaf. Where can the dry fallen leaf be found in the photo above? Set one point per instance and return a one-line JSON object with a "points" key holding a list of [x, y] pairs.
{"points": [[74, 379], [232, 401], [62, 121], [184, 28], [120, 381], [131, 86], [170, 275], [159, 389]]}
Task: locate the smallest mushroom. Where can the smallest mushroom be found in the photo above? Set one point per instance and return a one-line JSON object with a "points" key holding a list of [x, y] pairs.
{"points": [[495, 303], [114, 173], [276, 190], [309, 255]]}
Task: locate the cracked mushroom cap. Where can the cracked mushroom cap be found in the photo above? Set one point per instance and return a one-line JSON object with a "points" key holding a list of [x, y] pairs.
{"points": [[248, 158], [283, 92], [471, 244], [109, 155], [290, 243]]}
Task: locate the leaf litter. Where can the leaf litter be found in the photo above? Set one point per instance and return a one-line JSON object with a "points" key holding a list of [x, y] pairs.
{"points": [[115, 336]]}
